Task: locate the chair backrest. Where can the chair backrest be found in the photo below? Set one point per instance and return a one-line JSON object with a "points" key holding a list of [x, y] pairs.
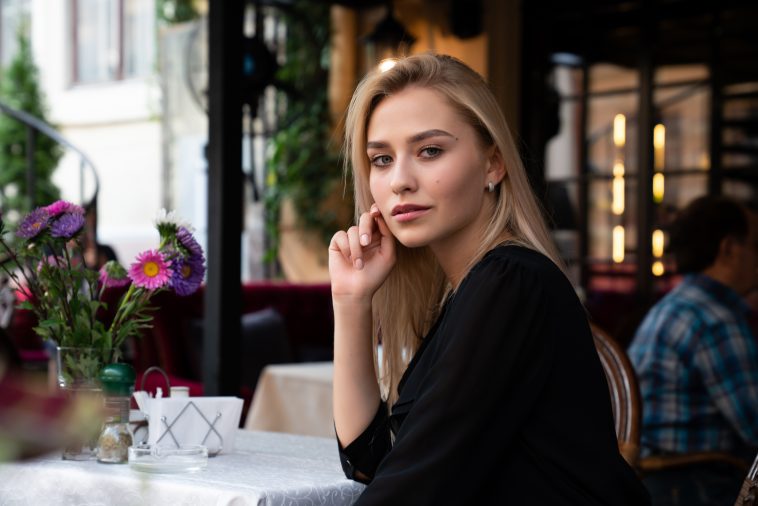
{"points": [[749, 491], [625, 394]]}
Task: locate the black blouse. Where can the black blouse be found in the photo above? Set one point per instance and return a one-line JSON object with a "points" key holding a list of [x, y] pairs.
{"points": [[505, 402]]}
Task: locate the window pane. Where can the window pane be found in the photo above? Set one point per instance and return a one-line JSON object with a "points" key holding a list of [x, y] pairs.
{"points": [[606, 148], [607, 77], [97, 50], [13, 14], [562, 151], [679, 73], [139, 37], [684, 142]]}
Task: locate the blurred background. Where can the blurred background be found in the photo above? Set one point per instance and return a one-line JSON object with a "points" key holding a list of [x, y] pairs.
{"points": [[624, 112]]}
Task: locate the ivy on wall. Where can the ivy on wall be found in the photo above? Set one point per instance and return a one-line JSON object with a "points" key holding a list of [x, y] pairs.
{"points": [[176, 11], [304, 164]]}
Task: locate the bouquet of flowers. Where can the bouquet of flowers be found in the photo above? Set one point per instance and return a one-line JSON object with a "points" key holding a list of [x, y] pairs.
{"points": [[47, 266]]}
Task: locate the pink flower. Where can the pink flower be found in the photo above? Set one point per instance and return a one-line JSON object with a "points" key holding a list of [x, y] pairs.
{"points": [[62, 206], [113, 275], [50, 260], [151, 270]]}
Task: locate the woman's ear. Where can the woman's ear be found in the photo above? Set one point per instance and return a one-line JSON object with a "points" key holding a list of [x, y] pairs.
{"points": [[495, 166]]}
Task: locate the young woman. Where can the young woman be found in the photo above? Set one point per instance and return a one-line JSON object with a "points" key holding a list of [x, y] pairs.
{"points": [[496, 391]]}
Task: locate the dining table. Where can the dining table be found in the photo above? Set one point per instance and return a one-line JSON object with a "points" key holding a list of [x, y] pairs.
{"points": [[264, 468], [294, 398]]}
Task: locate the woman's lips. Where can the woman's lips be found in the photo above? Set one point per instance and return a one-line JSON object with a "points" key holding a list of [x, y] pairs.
{"points": [[407, 213]]}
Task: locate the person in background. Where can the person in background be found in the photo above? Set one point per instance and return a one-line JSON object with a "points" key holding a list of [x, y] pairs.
{"points": [[493, 389], [697, 359], [96, 254]]}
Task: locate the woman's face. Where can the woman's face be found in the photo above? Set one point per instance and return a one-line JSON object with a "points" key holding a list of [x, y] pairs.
{"points": [[429, 171]]}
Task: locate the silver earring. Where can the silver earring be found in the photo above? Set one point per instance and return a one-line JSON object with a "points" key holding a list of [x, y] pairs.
{"points": [[490, 187]]}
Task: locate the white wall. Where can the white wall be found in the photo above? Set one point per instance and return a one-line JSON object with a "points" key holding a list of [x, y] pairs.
{"points": [[115, 123]]}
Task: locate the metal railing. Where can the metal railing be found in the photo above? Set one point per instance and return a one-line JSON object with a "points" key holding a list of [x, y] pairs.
{"points": [[35, 126]]}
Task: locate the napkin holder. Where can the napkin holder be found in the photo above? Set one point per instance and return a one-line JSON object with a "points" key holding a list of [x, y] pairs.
{"points": [[183, 421]]}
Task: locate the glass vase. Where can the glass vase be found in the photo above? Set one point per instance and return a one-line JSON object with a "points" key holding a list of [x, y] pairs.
{"points": [[77, 370]]}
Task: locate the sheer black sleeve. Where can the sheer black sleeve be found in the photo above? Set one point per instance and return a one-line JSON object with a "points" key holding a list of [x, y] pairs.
{"points": [[360, 458]]}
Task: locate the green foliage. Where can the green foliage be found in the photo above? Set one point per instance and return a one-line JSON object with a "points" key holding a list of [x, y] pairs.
{"points": [[67, 297], [60, 290], [19, 88], [176, 11], [304, 164]]}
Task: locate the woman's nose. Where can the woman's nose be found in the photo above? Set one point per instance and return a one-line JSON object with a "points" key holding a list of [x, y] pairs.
{"points": [[402, 177]]}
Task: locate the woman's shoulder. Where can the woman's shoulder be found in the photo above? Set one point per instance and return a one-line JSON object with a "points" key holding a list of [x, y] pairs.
{"points": [[513, 268], [515, 258]]}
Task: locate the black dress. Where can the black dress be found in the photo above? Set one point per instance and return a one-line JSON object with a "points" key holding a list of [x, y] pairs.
{"points": [[505, 402]]}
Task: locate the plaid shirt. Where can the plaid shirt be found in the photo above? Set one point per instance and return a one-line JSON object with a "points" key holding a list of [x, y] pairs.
{"points": [[697, 363]]}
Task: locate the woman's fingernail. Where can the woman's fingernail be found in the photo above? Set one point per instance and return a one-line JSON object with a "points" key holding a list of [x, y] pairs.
{"points": [[364, 240], [359, 263]]}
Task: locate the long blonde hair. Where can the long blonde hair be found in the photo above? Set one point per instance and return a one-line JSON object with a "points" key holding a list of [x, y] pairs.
{"points": [[409, 301]]}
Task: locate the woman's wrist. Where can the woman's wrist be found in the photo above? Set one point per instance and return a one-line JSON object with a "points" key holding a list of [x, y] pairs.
{"points": [[351, 302]]}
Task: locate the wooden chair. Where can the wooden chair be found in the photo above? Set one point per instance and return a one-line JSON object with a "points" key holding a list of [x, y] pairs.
{"points": [[625, 394], [749, 491]]}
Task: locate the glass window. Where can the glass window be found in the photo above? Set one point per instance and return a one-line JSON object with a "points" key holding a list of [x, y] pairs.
{"points": [[97, 44], [114, 39], [13, 15], [139, 39]]}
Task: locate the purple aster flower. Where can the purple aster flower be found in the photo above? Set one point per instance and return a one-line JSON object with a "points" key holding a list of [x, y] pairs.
{"points": [[188, 275], [67, 225], [62, 206], [33, 223], [112, 274], [185, 238]]}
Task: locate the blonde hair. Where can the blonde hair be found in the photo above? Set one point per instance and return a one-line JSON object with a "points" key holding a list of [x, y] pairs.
{"points": [[409, 301]]}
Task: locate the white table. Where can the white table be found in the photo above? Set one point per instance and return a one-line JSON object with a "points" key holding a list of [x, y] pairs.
{"points": [[265, 469], [294, 398]]}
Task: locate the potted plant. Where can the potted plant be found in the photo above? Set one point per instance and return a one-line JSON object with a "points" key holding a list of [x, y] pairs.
{"points": [[52, 279]]}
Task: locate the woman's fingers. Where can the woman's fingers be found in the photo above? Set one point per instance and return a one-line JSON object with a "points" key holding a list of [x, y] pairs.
{"points": [[341, 244], [370, 233], [365, 228], [356, 251]]}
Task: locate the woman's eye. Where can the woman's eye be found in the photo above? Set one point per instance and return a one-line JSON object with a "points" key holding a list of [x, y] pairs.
{"points": [[430, 152], [381, 160]]}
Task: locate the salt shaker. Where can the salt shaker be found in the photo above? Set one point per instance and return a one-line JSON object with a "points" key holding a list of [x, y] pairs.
{"points": [[115, 439]]}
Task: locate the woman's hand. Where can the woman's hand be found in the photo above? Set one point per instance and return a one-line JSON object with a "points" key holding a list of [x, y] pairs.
{"points": [[361, 258]]}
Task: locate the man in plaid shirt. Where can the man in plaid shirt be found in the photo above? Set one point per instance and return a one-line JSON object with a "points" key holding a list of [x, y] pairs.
{"points": [[696, 357]]}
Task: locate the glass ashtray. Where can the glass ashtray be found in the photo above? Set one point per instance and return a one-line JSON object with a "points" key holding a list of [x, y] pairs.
{"points": [[167, 459]]}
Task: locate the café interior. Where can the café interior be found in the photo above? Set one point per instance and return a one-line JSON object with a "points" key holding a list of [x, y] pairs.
{"points": [[623, 110]]}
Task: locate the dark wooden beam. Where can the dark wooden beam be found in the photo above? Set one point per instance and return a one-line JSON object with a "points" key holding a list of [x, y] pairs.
{"points": [[222, 336], [645, 125]]}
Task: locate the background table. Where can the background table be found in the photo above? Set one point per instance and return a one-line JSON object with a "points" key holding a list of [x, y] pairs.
{"points": [[265, 469], [294, 398]]}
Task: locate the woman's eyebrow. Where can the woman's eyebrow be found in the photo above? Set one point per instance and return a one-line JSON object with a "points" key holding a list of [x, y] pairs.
{"points": [[413, 139], [429, 133]]}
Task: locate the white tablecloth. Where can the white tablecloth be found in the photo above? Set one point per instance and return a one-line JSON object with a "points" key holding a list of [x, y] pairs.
{"points": [[294, 398], [265, 469]]}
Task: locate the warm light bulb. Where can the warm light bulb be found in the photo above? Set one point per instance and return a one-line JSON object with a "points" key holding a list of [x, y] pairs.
{"points": [[618, 244], [659, 145], [617, 204], [618, 168], [387, 64], [619, 130], [658, 268], [658, 240], [658, 187]]}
